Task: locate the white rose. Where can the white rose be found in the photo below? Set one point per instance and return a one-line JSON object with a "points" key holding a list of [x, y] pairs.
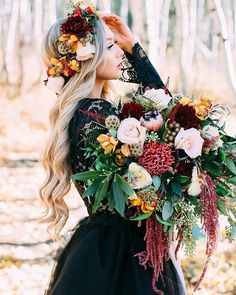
{"points": [[211, 132], [190, 141], [85, 52], [131, 131], [55, 84], [159, 97], [138, 177], [195, 186]]}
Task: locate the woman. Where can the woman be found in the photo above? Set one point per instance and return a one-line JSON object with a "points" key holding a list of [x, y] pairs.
{"points": [[99, 258]]}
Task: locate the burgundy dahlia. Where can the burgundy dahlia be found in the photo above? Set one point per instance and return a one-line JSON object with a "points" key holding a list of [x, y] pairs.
{"points": [[156, 157], [131, 109], [184, 168], [76, 25], [185, 116]]}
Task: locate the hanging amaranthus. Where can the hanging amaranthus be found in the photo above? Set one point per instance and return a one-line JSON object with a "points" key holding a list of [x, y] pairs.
{"points": [[209, 217], [157, 250]]}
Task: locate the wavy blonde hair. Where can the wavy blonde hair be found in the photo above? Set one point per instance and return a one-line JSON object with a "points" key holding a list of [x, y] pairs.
{"points": [[54, 157]]}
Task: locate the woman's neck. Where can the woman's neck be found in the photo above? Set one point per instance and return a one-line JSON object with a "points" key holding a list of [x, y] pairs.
{"points": [[97, 89]]}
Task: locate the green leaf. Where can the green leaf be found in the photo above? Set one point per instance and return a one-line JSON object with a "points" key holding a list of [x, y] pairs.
{"points": [[125, 186], [231, 165], [221, 191], [167, 210], [222, 155], [119, 197], [142, 217], [182, 178], [92, 188], [156, 180], [222, 208], [86, 175], [100, 193], [231, 215], [163, 221], [232, 180], [176, 188]]}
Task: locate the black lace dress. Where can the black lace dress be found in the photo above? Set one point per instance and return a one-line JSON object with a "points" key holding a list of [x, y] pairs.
{"points": [[99, 258]]}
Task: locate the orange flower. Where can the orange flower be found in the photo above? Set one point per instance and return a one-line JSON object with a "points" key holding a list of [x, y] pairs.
{"points": [[202, 107], [135, 202], [107, 142], [70, 40], [146, 208]]}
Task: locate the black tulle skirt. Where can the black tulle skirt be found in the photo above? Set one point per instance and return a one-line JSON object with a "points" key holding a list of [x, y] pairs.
{"points": [[99, 260]]}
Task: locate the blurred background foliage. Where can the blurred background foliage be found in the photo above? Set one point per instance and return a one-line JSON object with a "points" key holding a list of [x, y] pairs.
{"points": [[192, 41]]}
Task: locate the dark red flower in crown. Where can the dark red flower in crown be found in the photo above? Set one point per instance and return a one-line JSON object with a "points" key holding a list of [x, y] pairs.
{"points": [[185, 116], [156, 158], [76, 25], [131, 109], [78, 12]]}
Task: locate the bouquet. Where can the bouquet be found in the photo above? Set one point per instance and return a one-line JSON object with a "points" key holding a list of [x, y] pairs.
{"points": [[170, 160]]}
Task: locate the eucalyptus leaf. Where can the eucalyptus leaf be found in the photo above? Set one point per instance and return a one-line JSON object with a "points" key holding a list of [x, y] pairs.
{"points": [[197, 232], [113, 132], [156, 181], [167, 210], [233, 232], [176, 188]]}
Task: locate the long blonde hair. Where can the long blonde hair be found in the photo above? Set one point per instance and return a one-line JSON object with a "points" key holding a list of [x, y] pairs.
{"points": [[54, 157]]}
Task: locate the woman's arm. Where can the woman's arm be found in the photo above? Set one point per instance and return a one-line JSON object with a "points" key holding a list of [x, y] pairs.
{"points": [[137, 66]]}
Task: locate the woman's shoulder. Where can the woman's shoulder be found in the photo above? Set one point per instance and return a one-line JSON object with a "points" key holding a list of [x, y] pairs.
{"points": [[90, 110]]}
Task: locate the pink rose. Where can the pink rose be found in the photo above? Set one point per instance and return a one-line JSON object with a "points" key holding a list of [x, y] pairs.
{"points": [[152, 120], [131, 131], [190, 141]]}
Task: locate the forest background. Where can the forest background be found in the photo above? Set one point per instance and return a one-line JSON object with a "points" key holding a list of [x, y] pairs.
{"points": [[191, 41]]}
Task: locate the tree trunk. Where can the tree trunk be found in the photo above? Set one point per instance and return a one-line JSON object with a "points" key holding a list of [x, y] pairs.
{"points": [[12, 53], [227, 45]]}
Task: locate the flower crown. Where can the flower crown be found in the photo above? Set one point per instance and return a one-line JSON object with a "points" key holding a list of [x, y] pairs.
{"points": [[75, 44]]}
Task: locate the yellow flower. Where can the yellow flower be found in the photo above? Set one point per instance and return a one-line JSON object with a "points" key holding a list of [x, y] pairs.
{"points": [[54, 61], [74, 65], [185, 101], [125, 150], [107, 142]]}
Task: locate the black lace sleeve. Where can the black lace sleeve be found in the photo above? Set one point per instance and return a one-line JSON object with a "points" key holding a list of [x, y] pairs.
{"points": [[84, 128], [137, 68]]}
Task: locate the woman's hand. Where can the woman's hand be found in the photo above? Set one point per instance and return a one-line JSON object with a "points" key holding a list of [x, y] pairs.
{"points": [[122, 34]]}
